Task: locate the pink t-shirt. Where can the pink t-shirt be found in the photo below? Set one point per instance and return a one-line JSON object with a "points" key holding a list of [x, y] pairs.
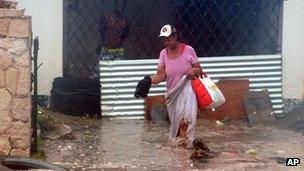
{"points": [[177, 68]]}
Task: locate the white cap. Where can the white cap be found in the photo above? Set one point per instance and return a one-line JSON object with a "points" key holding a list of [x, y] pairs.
{"points": [[167, 30]]}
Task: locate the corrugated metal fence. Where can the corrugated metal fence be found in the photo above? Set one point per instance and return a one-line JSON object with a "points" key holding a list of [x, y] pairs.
{"points": [[119, 79]]}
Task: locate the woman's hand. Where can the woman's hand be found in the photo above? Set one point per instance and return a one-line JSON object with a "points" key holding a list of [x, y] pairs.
{"points": [[192, 73]]}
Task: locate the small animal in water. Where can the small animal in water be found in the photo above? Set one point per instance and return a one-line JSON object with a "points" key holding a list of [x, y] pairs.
{"points": [[202, 153], [200, 145], [200, 156]]}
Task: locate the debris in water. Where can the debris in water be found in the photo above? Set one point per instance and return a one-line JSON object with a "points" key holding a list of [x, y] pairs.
{"points": [[225, 120], [251, 151], [219, 123], [280, 160]]}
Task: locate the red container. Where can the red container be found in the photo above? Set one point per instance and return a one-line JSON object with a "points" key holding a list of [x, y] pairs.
{"points": [[202, 96]]}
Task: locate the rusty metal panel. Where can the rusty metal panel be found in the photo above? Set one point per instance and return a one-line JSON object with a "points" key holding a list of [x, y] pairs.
{"points": [[119, 78]]}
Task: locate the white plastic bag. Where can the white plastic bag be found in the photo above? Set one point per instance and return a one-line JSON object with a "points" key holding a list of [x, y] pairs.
{"points": [[182, 105], [214, 92]]}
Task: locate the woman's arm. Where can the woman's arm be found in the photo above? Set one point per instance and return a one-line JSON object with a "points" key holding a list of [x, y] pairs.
{"points": [[160, 76]]}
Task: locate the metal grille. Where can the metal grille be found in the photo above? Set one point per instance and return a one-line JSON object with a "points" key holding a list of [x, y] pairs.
{"points": [[231, 27], [212, 27], [118, 80]]}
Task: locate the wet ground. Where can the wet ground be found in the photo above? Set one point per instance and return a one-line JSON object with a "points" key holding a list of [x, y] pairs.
{"points": [[124, 144]]}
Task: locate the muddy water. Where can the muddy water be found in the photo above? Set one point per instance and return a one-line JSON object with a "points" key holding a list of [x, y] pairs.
{"points": [[123, 144]]}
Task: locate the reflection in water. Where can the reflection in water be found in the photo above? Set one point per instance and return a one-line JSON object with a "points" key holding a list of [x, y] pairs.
{"points": [[140, 145]]}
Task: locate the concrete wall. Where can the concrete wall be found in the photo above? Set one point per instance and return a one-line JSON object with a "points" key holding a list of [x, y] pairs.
{"points": [[47, 24], [293, 49]]}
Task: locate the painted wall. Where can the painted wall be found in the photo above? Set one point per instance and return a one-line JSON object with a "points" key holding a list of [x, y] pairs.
{"points": [[47, 24], [293, 49]]}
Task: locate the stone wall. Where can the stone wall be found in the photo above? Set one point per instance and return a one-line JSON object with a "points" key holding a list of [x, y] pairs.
{"points": [[15, 80]]}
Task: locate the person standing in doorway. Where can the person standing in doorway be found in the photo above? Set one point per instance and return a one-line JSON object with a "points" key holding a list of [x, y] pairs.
{"points": [[114, 29]]}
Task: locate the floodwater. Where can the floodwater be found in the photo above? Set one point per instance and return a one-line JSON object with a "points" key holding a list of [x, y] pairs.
{"points": [[125, 144]]}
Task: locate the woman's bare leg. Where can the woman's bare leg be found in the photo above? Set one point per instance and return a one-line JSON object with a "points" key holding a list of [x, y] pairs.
{"points": [[183, 127]]}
